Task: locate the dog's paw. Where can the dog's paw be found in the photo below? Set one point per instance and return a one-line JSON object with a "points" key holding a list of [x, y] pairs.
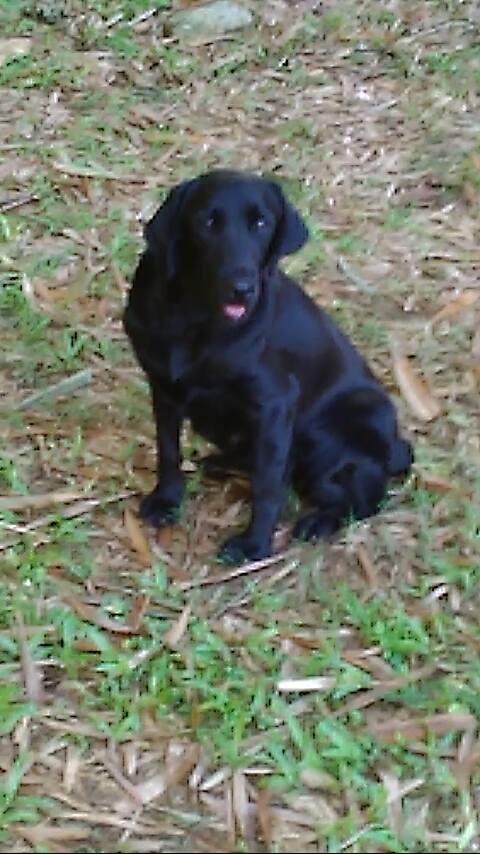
{"points": [[158, 511], [243, 548], [316, 526]]}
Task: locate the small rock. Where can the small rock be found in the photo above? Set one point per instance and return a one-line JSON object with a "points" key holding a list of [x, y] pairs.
{"points": [[213, 19]]}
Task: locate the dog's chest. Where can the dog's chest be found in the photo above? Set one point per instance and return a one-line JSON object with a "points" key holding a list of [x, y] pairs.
{"points": [[189, 376], [187, 364]]}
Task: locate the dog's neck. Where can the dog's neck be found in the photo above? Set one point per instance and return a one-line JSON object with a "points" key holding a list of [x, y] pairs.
{"points": [[206, 342]]}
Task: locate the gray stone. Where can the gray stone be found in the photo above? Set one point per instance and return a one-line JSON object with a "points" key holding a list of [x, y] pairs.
{"points": [[213, 19]]}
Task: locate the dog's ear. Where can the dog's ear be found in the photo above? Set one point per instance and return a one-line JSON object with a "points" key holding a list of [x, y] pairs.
{"points": [[291, 232], [162, 231]]}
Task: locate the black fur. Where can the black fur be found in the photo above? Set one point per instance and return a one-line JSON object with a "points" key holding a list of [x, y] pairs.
{"points": [[229, 341]]}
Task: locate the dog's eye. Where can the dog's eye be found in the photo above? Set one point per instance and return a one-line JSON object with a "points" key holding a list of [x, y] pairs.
{"points": [[258, 223], [212, 220]]}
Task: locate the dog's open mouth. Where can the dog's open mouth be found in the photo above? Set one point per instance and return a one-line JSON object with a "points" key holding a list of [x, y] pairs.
{"points": [[234, 310]]}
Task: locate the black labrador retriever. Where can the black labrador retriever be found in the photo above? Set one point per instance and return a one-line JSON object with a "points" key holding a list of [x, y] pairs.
{"points": [[228, 341]]}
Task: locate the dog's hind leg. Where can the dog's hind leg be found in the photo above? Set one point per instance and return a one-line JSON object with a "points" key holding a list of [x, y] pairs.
{"points": [[355, 488]]}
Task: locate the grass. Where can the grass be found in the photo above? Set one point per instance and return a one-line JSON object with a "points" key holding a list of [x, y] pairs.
{"points": [[115, 735]]}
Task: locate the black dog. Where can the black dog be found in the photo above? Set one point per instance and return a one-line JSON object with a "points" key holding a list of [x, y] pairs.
{"points": [[230, 342]]}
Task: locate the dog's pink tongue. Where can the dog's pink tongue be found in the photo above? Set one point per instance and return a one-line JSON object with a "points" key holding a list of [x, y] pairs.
{"points": [[234, 310]]}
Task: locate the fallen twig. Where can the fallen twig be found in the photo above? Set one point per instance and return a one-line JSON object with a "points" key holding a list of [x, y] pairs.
{"points": [[63, 387], [12, 204], [97, 172], [247, 569]]}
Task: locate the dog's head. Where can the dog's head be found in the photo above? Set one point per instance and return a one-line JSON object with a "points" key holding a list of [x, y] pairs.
{"points": [[219, 234]]}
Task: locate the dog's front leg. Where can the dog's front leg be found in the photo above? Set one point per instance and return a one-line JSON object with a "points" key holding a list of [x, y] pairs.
{"points": [[272, 446], [161, 506]]}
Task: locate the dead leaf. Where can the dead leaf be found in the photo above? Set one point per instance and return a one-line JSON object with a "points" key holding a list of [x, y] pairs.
{"points": [[303, 641], [176, 631], [71, 767], [171, 776], [396, 791], [468, 756], [85, 645], [240, 802], [464, 300], [165, 536], [414, 389], [265, 818], [436, 484], [138, 538], [216, 779], [371, 663], [368, 696], [19, 503], [417, 728], [91, 614], [313, 778], [313, 805]]}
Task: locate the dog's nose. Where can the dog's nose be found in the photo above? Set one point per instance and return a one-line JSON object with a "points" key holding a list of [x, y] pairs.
{"points": [[242, 288]]}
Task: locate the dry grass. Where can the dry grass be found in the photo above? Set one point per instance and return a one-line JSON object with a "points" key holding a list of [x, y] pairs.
{"points": [[326, 700]]}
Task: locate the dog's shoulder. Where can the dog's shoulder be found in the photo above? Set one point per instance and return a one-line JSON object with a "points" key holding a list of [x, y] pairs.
{"points": [[295, 312]]}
